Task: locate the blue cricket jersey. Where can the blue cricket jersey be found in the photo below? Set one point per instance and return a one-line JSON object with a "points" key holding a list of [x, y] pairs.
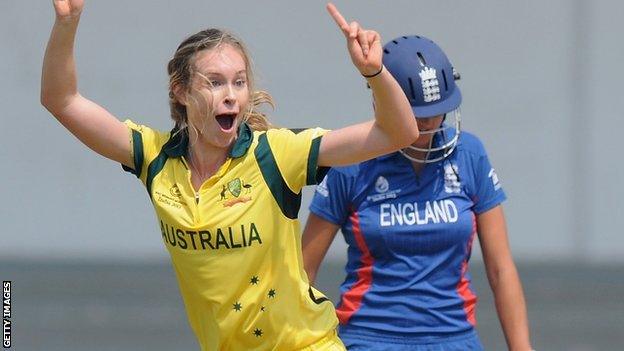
{"points": [[410, 237]]}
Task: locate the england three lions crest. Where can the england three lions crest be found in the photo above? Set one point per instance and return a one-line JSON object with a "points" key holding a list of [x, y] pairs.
{"points": [[451, 181], [430, 84]]}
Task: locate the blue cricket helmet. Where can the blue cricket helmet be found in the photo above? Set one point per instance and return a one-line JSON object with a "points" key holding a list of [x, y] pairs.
{"points": [[424, 73], [428, 80]]}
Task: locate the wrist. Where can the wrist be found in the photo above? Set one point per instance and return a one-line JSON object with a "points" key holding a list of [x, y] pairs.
{"points": [[68, 20], [373, 74]]}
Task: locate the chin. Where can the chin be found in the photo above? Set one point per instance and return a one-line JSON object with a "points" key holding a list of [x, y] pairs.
{"points": [[422, 142], [224, 140]]}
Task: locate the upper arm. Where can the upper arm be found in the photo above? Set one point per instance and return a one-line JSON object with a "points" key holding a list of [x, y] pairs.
{"points": [[317, 237], [485, 187], [487, 195], [354, 144], [98, 129], [493, 238], [328, 210]]}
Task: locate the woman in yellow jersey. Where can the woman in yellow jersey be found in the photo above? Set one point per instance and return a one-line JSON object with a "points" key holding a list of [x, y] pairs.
{"points": [[225, 186]]}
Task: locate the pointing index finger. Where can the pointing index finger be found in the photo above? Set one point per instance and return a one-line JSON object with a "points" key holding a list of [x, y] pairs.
{"points": [[340, 21]]}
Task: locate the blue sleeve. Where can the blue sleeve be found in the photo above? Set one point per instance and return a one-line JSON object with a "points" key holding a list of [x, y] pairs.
{"points": [[488, 192], [332, 197]]}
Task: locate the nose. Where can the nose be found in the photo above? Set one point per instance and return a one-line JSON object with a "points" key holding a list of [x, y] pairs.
{"points": [[428, 123], [230, 96], [424, 123]]}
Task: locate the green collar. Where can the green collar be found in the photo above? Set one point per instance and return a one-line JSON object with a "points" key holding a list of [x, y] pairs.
{"points": [[243, 142], [178, 142]]}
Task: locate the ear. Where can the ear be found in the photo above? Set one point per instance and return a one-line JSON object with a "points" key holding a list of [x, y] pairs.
{"points": [[180, 94]]}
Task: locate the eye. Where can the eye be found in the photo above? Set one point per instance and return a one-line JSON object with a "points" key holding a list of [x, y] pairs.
{"points": [[240, 83], [214, 83]]}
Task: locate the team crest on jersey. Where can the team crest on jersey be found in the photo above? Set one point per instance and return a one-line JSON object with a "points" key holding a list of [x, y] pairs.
{"points": [[232, 191], [451, 182], [430, 84]]}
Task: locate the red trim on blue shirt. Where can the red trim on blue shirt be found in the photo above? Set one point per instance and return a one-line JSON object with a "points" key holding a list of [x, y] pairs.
{"points": [[463, 287], [352, 299]]}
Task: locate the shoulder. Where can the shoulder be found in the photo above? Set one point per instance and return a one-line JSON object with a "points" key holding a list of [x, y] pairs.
{"points": [[471, 144], [143, 128], [283, 141], [351, 171], [148, 134], [359, 173], [294, 132]]}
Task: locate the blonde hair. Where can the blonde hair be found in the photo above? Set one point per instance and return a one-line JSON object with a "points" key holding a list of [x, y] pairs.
{"points": [[181, 71]]}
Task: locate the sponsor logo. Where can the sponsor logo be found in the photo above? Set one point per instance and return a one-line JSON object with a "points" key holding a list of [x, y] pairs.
{"points": [[322, 188], [494, 177]]}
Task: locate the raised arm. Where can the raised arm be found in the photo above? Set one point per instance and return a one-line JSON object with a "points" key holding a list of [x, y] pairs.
{"points": [[317, 237], [89, 122], [503, 278], [394, 126]]}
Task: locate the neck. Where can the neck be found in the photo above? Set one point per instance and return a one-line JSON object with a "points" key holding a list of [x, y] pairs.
{"points": [[205, 159], [418, 166]]}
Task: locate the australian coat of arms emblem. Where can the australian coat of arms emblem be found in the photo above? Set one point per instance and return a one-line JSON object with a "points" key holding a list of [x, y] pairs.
{"points": [[232, 191]]}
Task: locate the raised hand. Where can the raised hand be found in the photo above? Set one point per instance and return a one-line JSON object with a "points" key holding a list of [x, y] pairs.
{"points": [[68, 9], [364, 45]]}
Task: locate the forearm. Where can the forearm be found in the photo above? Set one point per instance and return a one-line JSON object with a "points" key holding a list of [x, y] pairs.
{"points": [[511, 308], [59, 79], [393, 113], [317, 236], [313, 254], [311, 274]]}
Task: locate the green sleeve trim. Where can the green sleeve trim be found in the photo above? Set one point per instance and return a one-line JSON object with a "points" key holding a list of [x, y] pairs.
{"points": [[311, 177], [316, 300], [153, 169], [138, 155], [137, 146], [288, 202]]}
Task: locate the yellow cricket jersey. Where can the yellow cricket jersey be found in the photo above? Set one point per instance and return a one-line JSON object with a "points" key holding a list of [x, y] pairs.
{"points": [[235, 244]]}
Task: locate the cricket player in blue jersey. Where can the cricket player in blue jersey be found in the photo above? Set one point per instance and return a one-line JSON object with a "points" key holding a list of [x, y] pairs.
{"points": [[410, 218]]}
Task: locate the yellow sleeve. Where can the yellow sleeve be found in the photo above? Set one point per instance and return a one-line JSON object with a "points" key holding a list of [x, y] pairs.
{"points": [[296, 154], [146, 144]]}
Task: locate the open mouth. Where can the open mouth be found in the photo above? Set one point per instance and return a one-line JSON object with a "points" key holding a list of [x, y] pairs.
{"points": [[226, 120]]}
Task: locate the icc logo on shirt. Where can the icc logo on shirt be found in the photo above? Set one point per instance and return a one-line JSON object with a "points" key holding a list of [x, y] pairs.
{"points": [[381, 185]]}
